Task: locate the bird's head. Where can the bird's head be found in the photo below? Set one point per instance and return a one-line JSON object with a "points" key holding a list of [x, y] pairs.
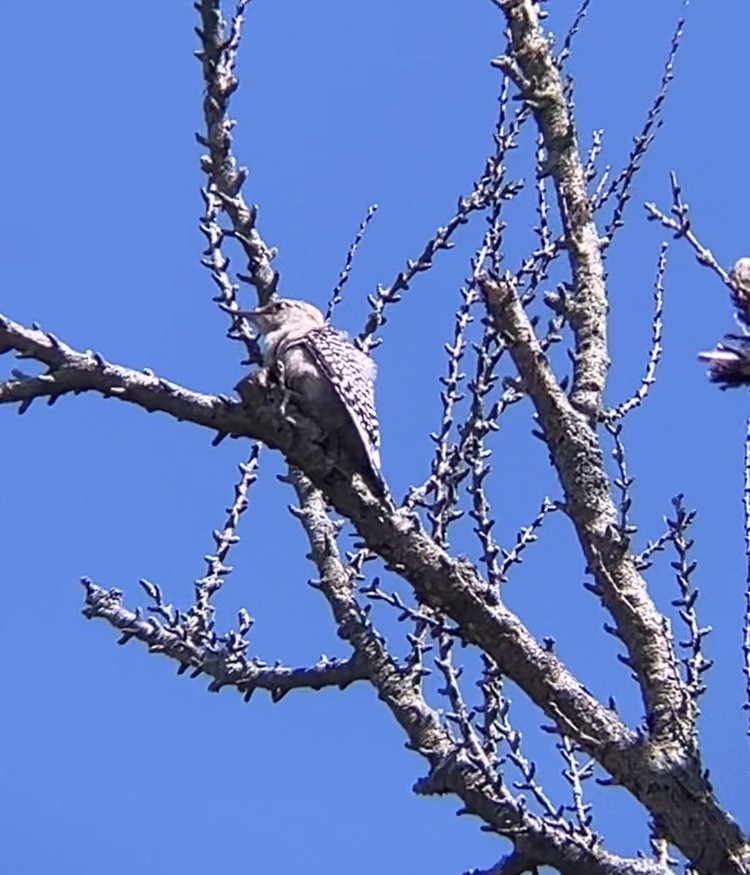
{"points": [[286, 313]]}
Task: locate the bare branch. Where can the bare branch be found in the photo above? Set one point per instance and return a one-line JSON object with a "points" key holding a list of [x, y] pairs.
{"points": [[643, 559], [573, 31], [542, 230], [465, 772], [578, 460], [347, 268], [223, 659], [681, 224], [455, 459], [665, 783], [525, 538], [219, 45], [695, 662], [450, 396], [597, 143], [73, 371], [483, 192], [530, 64], [593, 861], [576, 774], [460, 714], [217, 569], [655, 350], [491, 190], [481, 514], [420, 616], [623, 481], [622, 185]]}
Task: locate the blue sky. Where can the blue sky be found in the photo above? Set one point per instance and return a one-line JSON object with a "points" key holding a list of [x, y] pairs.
{"points": [[109, 760]]}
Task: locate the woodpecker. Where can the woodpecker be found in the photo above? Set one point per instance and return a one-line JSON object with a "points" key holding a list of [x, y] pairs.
{"points": [[327, 377], [729, 362]]}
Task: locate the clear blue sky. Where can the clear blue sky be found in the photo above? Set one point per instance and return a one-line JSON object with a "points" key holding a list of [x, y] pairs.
{"points": [[109, 761]]}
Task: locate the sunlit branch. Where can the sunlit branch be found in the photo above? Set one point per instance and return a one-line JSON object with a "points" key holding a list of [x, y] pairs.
{"points": [[655, 350], [346, 270], [529, 62], [224, 659], [621, 186], [218, 54]]}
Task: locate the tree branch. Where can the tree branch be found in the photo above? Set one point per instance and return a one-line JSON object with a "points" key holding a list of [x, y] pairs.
{"points": [[223, 659], [670, 707], [661, 778], [531, 65], [219, 45], [454, 767]]}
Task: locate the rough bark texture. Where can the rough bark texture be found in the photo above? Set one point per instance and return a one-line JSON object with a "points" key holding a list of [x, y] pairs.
{"points": [[454, 602]]}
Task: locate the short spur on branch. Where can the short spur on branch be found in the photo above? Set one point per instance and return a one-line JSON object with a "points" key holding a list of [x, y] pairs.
{"points": [[327, 377]]}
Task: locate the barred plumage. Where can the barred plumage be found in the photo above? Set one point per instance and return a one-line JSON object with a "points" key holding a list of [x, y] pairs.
{"points": [[352, 374], [329, 378]]}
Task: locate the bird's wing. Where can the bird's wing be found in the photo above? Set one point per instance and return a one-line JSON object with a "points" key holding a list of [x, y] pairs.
{"points": [[352, 374]]}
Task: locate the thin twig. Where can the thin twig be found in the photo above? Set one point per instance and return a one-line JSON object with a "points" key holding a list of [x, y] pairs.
{"points": [[217, 569], [346, 270], [525, 538], [655, 350], [483, 193], [643, 560], [695, 663], [624, 480], [681, 224], [573, 31], [460, 714], [597, 143], [490, 190], [621, 186], [576, 774]]}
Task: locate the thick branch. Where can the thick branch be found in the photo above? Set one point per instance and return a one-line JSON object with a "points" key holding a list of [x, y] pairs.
{"points": [[595, 862], [454, 768], [666, 785], [73, 371], [577, 457], [532, 67]]}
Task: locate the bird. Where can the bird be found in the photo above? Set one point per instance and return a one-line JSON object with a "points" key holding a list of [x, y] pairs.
{"points": [[729, 362], [326, 376]]}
